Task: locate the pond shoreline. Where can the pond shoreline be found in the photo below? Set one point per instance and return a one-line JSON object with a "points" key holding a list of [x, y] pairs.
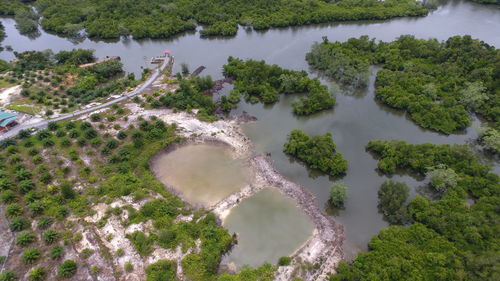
{"points": [[323, 249]]}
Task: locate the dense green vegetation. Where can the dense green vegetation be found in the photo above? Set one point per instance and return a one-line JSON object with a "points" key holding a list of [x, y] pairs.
{"points": [[260, 82], [490, 139], [317, 152], [437, 83], [10, 7], [338, 194], [55, 82], [161, 270], [160, 19], [392, 198], [450, 239], [193, 93]]}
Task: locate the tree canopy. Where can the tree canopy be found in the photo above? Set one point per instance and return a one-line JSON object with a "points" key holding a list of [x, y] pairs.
{"points": [[261, 82], [450, 238], [437, 83], [318, 152], [160, 18]]}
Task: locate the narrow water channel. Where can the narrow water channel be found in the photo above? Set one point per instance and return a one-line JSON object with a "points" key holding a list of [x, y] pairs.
{"points": [[353, 122], [204, 174], [269, 226]]}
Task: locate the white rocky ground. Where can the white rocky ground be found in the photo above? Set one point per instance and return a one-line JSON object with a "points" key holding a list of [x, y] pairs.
{"points": [[7, 94]]}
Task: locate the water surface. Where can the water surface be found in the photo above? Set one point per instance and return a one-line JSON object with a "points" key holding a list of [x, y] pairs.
{"points": [[203, 173], [269, 226]]}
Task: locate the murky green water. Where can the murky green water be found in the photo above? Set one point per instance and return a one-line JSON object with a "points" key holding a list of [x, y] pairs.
{"points": [[269, 226], [354, 121], [203, 174]]}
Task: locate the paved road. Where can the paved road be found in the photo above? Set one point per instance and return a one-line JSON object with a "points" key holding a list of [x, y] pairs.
{"points": [[43, 124]]}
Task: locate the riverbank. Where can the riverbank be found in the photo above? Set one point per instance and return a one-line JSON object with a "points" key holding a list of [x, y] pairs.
{"points": [[323, 249]]}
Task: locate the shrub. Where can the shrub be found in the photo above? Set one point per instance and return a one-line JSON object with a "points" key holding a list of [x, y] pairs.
{"points": [[95, 117], [67, 269], [161, 270], [392, 198], [53, 126], [50, 236], [120, 252], [23, 174], [95, 270], [25, 238], [36, 208], [86, 253], [67, 190], [44, 223], [8, 275], [31, 255], [142, 243], [284, 261], [56, 252], [128, 267], [121, 135], [60, 133], [19, 223], [13, 210], [338, 194], [37, 274], [7, 196]]}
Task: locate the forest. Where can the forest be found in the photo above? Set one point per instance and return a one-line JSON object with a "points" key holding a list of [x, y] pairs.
{"points": [[161, 18], [436, 83], [317, 152], [261, 82], [452, 238]]}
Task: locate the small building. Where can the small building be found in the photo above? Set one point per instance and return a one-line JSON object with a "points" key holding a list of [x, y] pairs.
{"points": [[7, 120]]}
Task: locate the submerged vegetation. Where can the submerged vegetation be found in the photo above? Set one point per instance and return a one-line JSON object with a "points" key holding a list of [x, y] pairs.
{"points": [[317, 152], [160, 19], [449, 239], [260, 82], [437, 83]]}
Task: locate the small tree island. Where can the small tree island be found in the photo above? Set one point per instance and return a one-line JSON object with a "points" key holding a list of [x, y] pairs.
{"points": [[318, 152]]}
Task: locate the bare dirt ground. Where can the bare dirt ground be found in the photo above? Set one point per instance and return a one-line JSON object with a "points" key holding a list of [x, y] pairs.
{"points": [[7, 94]]}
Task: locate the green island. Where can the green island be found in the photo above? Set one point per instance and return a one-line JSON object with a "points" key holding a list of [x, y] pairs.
{"points": [[437, 83], [162, 19], [260, 82], [450, 238], [318, 152]]}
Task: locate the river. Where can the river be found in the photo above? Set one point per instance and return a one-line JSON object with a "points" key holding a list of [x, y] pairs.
{"points": [[354, 121]]}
